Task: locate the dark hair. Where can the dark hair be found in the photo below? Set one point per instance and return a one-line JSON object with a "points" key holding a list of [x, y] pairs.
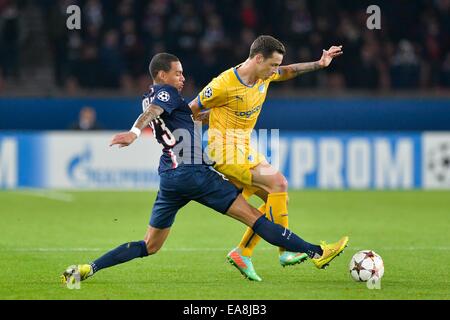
{"points": [[161, 61], [266, 45]]}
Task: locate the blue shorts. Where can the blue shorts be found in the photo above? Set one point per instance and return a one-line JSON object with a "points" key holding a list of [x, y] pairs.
{"points": [[200, 183]]}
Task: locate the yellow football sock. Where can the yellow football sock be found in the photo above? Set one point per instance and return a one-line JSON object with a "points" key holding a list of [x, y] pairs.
{"points": [[250, 238], [275, 210]]}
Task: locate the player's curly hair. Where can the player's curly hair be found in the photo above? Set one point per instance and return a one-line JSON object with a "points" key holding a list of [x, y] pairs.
{"points": [[266, 45], [161, 61]]}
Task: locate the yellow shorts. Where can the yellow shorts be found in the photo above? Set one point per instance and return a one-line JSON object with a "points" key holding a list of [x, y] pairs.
{"points": [[235, 163]]}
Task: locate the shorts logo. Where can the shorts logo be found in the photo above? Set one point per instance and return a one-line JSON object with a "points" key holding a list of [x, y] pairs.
{"points": [[163, 96], [261, 88], [208, 92]]}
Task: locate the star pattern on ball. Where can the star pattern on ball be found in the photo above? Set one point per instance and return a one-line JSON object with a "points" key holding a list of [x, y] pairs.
{"points": [[358, 266], [369, 254]]}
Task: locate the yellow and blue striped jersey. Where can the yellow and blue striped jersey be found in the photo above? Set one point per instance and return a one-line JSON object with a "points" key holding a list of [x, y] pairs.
{"points": [[235, 106]]}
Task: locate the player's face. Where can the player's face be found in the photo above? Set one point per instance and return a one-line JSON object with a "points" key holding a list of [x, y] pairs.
{"points": [[267, 67], [174, 76]]}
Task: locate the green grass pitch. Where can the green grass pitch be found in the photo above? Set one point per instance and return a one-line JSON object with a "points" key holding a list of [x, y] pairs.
{"points": [[42, 232]]}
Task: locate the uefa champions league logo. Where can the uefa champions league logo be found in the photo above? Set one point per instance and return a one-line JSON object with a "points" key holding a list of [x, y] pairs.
{"points": [[208, 92], [163, 96]]}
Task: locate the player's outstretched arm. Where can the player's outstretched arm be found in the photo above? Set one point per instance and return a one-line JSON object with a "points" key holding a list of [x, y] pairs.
{"points": [[293, 70], [124, 139]]}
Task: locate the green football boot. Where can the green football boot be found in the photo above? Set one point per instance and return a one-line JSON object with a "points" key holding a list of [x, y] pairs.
{"points": [[243, 264], [288, 258]]}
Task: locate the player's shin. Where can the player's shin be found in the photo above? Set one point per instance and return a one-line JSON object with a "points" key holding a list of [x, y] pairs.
{"points": [[279, 236], [123, 253], [276, 210]]}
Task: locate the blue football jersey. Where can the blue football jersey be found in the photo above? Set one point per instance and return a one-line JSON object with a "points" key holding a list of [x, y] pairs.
{"points": [[175, 128]]}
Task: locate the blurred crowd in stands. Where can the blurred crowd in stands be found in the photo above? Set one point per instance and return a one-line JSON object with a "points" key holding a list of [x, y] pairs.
{"points": [[118, 37]]}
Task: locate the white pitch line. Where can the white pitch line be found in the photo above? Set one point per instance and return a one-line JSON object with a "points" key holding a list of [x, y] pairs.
{"points": [[380, 249], [105, 249], [52, 195]]}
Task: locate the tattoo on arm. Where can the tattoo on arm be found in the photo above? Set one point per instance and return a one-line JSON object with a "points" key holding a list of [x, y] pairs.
{"points": [[300, 68], [293, 70], [152, 112]]}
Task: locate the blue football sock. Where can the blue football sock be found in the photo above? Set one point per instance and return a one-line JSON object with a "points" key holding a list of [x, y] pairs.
{"points": [[123, 253], [279, 236]]}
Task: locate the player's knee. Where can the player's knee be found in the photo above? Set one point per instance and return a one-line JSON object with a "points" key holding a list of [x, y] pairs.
{"points": [[284, 184], [279, 184], [250, 216], [152, 248]]}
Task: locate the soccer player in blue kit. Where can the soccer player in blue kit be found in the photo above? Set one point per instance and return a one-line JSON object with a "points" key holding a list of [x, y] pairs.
{"points": [[185, 175]]}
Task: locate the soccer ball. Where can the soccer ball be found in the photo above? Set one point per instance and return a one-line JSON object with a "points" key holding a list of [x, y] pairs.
{"points": [[366, 265]]}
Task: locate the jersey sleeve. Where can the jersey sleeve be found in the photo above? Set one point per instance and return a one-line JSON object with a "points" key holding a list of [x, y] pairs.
{"points": [[167, 98], [213, 95]]}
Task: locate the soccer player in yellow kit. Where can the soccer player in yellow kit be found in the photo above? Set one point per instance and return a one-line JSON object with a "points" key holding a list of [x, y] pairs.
{"points": [[234, 100]]}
